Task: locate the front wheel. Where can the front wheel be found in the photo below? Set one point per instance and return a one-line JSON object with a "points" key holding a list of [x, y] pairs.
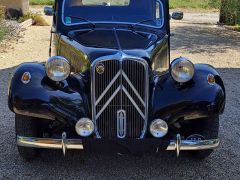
{"points": [[26, 126], [209, 131]]}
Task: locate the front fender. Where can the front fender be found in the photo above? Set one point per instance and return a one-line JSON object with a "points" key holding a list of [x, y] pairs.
{"points": [[44, 98], [192, 100]]}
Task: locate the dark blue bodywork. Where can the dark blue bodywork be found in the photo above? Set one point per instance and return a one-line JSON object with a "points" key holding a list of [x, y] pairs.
{"points": [[70, 100]]}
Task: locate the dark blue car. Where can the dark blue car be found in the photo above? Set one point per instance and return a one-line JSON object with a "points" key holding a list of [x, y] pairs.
{"points": [[109, 85]]}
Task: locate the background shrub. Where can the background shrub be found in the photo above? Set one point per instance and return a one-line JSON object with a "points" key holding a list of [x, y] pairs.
{"points": [[3, 29], [2, 12], [41, 2], [38, 20], [230, 12]]}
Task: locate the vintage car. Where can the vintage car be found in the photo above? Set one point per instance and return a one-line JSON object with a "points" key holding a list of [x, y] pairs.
{"points": [[109, 85]]}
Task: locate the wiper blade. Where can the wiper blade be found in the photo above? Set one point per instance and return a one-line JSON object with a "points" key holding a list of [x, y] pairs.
{"points": [[76, 17]]}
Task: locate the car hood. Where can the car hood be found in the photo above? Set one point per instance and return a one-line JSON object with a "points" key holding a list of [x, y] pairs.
{"points": [[114, 38], [105, 42]]}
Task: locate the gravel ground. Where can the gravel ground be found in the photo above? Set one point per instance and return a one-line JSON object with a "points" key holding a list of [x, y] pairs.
{"points": [[13, 34], [202, 43]]}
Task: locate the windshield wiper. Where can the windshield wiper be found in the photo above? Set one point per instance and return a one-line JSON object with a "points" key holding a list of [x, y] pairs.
{"points": [[132, 26], [76, 17]]}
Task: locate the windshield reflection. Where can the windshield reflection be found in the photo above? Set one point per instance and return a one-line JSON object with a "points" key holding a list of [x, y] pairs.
{"points": [[135, 12]]}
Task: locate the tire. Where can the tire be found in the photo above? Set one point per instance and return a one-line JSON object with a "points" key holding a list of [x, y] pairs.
{"points": [[26, 126], [209, 131]]}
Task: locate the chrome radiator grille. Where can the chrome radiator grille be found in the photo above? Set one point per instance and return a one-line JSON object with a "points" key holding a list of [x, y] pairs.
{"points": [[120, 97]]}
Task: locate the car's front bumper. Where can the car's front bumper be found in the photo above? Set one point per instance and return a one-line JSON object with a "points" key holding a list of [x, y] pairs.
{"points": [[64, 143]]}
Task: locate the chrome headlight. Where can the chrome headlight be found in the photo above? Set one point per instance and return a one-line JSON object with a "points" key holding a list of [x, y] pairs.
{"points": [[57, 68], [182, 70], [158, 128], [84, 127]]}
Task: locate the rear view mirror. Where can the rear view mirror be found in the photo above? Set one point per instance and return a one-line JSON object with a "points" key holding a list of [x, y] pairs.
{"points": [[48, 11], [177, 15]]}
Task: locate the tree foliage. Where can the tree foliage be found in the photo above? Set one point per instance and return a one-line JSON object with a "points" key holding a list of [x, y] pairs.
{"points": [[230, 12], [214, 4]]}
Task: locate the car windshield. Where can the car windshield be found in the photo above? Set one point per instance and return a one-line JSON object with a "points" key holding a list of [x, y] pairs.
{"points": [[137, 12]]}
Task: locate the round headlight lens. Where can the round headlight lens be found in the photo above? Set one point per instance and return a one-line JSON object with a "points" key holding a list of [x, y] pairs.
{"points": [[182, 70], [57, 68], [159, 128], [84, 127]]}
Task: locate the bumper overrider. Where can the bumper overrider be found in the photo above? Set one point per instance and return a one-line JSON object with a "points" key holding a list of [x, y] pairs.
{"points": [[64, 143]]}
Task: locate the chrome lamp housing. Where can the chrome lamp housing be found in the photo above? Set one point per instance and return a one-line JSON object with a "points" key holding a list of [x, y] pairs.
{"points": [[182, 70], [57, 68]]}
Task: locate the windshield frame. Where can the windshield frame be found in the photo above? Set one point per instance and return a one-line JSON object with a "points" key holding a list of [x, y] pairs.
{"points": [[117, 22]]}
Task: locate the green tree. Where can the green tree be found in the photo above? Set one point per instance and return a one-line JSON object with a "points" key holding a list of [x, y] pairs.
{"points": [[230, 12]]}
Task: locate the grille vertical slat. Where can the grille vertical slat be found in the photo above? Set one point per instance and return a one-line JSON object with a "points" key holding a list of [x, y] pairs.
{"points": [[136, 85]]}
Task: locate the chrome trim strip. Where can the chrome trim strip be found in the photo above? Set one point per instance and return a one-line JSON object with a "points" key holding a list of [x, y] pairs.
{"points": [[108, 87], [189, 145], [122, 23], [133, 88], [146, 66], [112, 82], [109, 101], [119, 57], [121, 124], [49, 143], [113, 95], [93, 96], [133, 102], [186, 145]]}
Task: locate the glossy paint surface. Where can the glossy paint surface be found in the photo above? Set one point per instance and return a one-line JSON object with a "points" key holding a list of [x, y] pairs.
{"points": [[195, 99], [45, 99], [70, 100]]}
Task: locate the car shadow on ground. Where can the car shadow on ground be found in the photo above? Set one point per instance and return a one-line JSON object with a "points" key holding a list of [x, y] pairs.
{"points": [[78, 164]]}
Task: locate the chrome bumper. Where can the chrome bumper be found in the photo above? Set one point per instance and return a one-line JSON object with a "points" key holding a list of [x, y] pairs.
{"points": [[64, 143]]}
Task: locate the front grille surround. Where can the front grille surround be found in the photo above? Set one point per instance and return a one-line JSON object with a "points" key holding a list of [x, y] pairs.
{"points": [[119, 84]]}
